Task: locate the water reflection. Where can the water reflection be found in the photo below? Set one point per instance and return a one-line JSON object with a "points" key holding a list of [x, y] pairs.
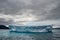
{"points": [[25, 36]]}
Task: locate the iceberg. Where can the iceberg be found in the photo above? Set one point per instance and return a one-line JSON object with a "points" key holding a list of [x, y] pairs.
{"points": [[26, 28]]}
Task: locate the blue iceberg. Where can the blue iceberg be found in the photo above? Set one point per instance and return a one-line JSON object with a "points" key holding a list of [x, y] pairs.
{"points": [[17, 28]]}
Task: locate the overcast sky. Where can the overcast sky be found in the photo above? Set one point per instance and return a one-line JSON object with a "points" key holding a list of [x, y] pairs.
{"points": [[15, 11]]}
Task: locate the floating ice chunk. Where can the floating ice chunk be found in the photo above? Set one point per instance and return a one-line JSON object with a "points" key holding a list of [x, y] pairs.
{"points": [[44, 28]]}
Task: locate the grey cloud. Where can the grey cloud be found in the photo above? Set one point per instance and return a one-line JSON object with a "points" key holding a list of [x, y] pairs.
{"points": [[5, 22], [42, 9], [11, 7], [46, 9], [3, 0], [54, 13]]}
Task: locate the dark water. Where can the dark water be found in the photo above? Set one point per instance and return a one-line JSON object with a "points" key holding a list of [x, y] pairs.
{"points": [[6, 35]]}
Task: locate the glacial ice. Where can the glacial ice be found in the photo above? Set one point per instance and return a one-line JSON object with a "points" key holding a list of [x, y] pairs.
{"points": [[44, 28]]}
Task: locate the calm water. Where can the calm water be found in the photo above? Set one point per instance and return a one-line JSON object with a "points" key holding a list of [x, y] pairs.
{"points": [[6, 35]]}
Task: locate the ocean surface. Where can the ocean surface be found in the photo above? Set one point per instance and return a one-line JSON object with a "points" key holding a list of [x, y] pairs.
{"points": [[7, 35]]}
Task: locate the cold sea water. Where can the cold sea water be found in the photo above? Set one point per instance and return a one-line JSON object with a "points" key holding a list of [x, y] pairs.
{"points": [[7, 35]]}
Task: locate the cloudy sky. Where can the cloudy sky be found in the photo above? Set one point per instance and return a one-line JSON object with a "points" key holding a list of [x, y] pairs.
{"points": [[21, 11]]}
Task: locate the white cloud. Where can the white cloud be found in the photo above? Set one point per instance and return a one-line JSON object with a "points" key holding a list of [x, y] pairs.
{"points": [[18, 18]]}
